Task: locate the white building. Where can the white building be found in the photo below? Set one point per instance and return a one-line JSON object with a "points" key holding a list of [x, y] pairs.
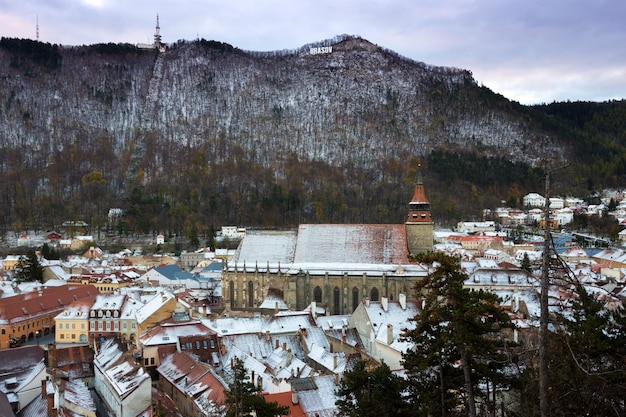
{"points": [[534, 200]]}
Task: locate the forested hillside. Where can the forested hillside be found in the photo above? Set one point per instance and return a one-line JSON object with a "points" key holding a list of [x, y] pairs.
{"points": [[205, 134]]}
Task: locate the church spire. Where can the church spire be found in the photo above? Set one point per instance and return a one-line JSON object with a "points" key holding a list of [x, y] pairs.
{"points": [[419, 223]]}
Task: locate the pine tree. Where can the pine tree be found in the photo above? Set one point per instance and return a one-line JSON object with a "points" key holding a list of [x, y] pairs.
{"points": [[372, 391], [243, 397], [28, 268], [457, 344]]}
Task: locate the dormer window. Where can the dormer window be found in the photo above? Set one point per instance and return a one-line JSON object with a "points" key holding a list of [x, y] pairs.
{"points": [[115, 313], [93, 313], [108, 314], [99, 313]]}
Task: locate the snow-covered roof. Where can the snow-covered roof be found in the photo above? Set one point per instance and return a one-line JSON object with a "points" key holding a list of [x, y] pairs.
{"points": [[152, 306]]}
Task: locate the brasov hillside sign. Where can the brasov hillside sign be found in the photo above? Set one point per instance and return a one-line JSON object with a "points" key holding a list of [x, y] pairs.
{"points": [[321, 50]]}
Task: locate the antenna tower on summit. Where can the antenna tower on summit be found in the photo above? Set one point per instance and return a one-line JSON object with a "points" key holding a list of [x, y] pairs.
{"points": [[37, 27], [157, 34]]}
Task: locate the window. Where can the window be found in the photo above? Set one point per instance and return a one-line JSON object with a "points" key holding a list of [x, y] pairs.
{"points": [[73, 326], [73, 335], [204, 344], [132, 325], [250, 294], [146, 361], [93, 313], [82, 326], [92, 325], [151, 361], [116, 325], [212, 344], [115, 314], [189, 345], [336, 301], [197, 344], [108, 314], [355, 298], [3, 331], [61, 336], [317, 295], [374, 294]]}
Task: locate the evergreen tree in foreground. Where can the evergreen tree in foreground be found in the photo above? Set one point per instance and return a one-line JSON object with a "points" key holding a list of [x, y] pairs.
{"points": [[243, 398], [28, 268], [458, 355], [372, 390]]}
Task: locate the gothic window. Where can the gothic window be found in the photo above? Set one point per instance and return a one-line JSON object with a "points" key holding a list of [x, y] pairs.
{"points": [[231, 291], [355, 298], [317, 294], [336, 301], [374, 294], [250, 294]]}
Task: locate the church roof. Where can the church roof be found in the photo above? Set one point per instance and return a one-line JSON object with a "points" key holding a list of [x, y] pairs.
{"points": [[349, 243], [334, 248]]}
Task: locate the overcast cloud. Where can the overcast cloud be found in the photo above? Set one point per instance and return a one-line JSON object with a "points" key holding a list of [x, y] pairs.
{"points": [[530, 51]]}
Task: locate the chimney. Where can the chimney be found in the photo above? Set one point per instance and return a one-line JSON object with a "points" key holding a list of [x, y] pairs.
{"points": [[252, 376], [314, 309], [336, 379], [294, 397], [44, 388], [284, 345], [277, 343], [289, 357], [267, 336], [384, 303], [389, 334], [52, 356], [50, 404], [402, 300], [367, 302], [334, 362]]}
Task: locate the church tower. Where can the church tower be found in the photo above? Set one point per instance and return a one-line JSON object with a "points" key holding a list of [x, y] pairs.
{"points": [[419, 223]]}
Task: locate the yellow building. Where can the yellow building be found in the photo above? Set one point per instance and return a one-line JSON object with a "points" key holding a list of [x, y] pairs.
{"points": [[72, 325]]}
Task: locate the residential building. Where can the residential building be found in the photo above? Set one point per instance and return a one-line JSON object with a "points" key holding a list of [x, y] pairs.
{"points": [[105, 316], [534, 200], [22, 370], [192, 385], [28, 315], [380, 325], [72, 325], [121, 383], [160, 307]]}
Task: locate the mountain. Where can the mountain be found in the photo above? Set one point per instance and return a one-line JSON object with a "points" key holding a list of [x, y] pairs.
{"points": [[205, 134]]}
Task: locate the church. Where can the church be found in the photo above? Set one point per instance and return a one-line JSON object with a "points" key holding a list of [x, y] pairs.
{"points": [[332, 266]]}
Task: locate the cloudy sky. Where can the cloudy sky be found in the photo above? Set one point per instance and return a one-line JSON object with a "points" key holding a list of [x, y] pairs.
{"points": [[530, 51]]}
